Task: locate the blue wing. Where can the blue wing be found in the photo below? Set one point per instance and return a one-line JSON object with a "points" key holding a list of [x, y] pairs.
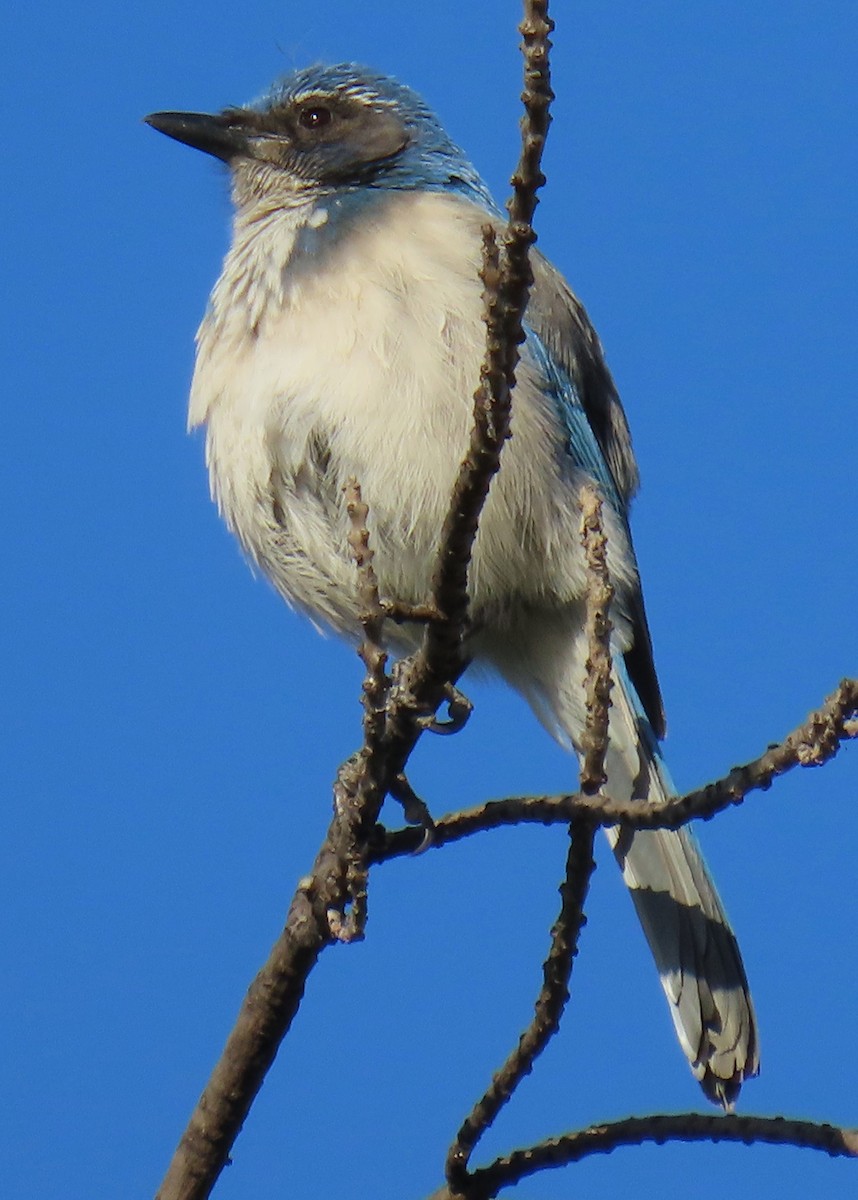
{"points": [[569, 353]]}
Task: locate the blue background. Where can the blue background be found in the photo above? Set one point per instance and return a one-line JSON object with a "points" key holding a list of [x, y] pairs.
{"points": [[170, 730]]}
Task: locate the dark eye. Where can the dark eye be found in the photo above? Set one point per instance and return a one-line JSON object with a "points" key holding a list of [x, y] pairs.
{"points": [[316, 117]]}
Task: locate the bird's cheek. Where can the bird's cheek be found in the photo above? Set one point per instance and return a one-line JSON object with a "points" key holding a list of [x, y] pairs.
{"points": [[272, 152], [368, 142]]}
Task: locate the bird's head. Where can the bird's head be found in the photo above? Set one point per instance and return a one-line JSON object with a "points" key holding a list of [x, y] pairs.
{"points": [[325, 130]]}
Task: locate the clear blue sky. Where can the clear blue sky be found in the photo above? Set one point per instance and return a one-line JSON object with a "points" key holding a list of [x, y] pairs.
{"points": [[170, 731]]}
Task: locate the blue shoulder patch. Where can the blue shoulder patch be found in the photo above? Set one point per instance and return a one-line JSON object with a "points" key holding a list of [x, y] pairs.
{"points": [[582, 446]]}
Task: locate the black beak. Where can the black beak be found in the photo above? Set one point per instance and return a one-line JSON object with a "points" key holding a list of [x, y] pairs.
{"points": [[215, 135]]}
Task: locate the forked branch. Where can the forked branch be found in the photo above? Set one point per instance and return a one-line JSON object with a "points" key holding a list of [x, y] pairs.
{"points": [[580, 864], [812, 744]]}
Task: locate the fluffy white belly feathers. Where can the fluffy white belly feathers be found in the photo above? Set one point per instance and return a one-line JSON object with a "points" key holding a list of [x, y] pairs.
{"points": [[366, 366]]}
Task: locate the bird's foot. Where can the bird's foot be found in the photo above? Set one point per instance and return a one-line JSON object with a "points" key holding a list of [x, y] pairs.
{"points": [[459, 709], [415, 810]]}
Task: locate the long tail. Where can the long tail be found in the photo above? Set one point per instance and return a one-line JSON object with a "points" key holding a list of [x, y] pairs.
{"points": [[695, 949]]}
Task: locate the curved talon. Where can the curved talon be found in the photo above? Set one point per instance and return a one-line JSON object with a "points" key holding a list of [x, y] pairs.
{"points": [[427, 841], [459, 709], [414, 810]]}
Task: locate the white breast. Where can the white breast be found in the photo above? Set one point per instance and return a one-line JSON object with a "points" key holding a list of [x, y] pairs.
{"points": [[361, 359]]}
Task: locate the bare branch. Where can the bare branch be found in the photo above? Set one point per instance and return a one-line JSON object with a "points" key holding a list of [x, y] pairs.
{"points": [[376, 684], [812, 744], [635, 1131], [507, 279], [551, 1001], [600, 593]]}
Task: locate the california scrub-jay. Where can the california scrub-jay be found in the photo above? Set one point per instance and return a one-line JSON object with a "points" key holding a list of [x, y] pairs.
{"points": [[344, 338]]}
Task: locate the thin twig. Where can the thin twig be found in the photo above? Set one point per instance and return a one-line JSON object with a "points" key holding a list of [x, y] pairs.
{"points": [[507, 278], [674, 1127], [812, 744], [371, 650], [548, 1009], [347, 916], [598, 683]]}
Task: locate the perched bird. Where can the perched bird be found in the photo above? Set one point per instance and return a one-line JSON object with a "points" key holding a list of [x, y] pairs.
{"points": [[344, 338]]}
